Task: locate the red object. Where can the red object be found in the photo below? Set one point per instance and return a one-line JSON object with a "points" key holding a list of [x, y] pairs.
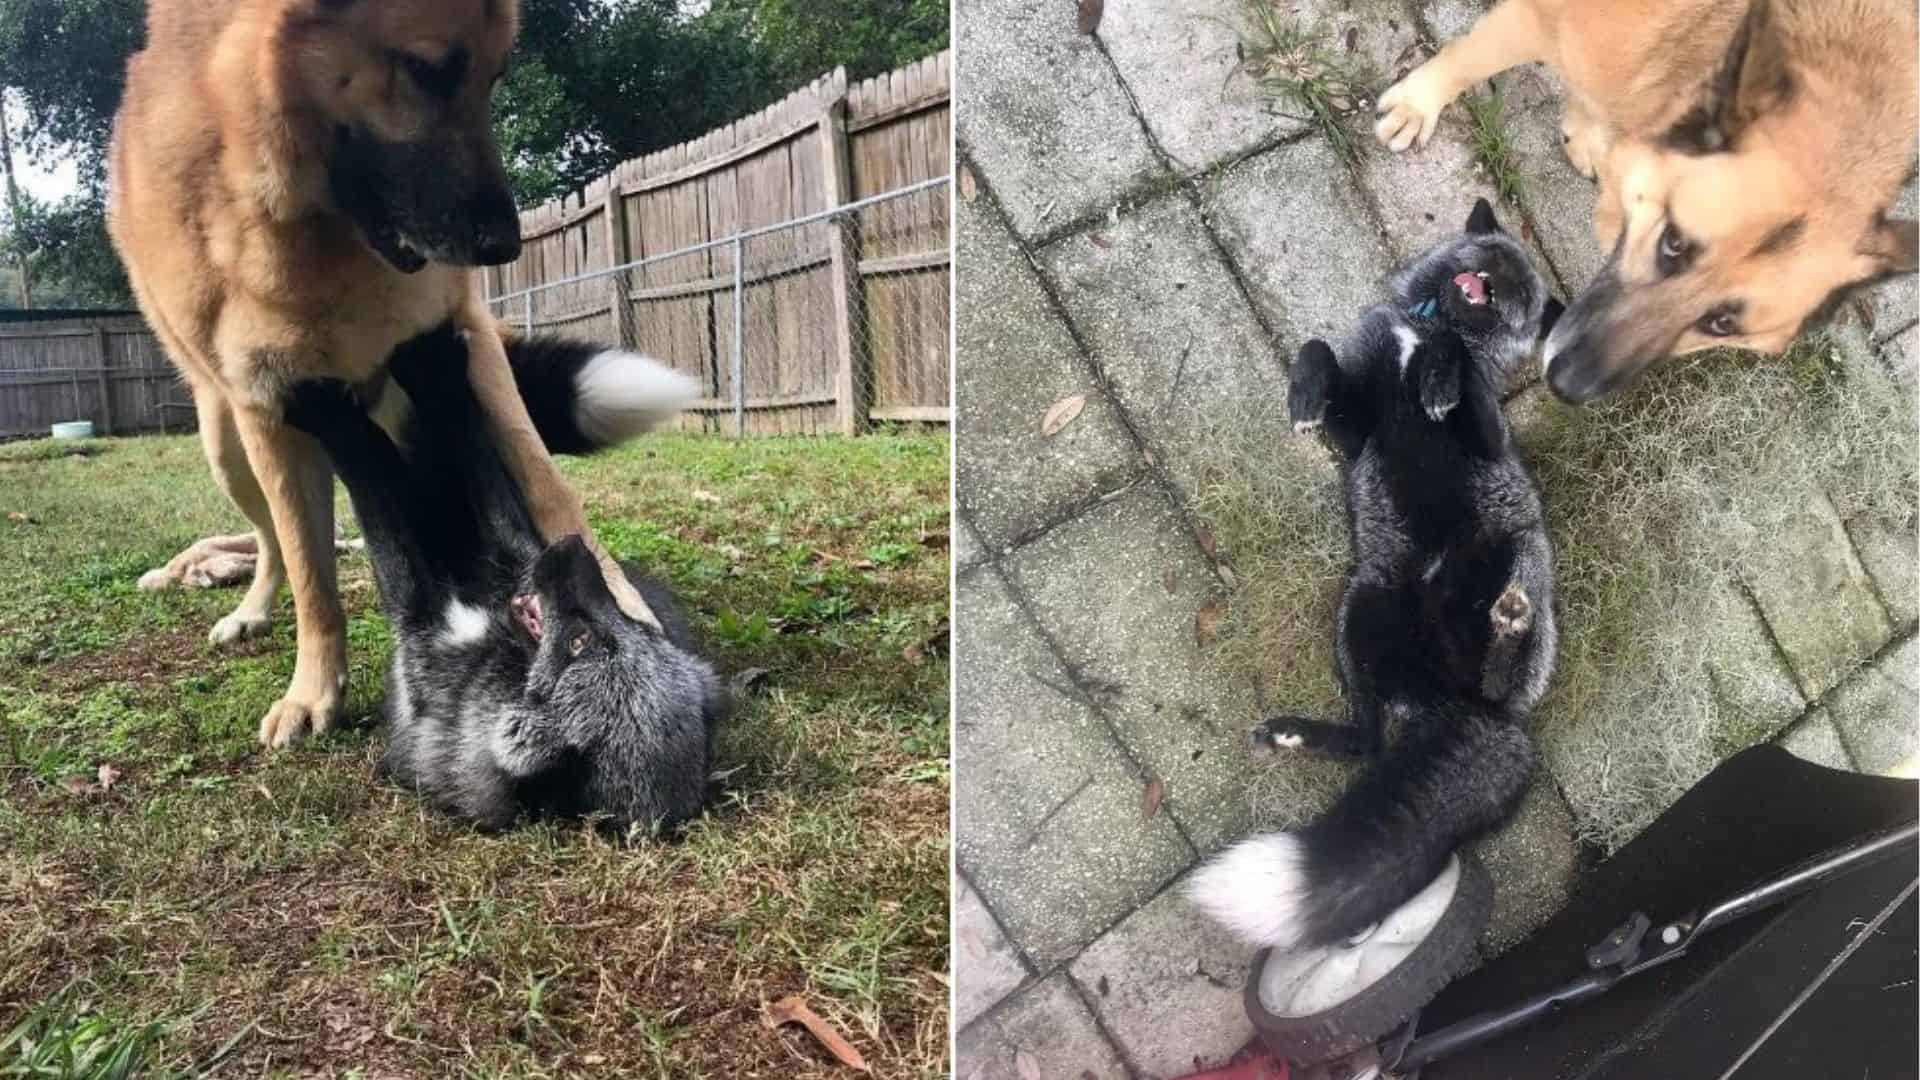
{"points": [[1263, 1067]]}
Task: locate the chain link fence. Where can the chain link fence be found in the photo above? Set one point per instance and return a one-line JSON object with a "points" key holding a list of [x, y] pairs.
{"points": [[829, 322]]}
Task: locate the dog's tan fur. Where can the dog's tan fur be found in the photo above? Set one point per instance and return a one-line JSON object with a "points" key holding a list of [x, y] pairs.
{"points": [[252, 280], [1772, 137]]}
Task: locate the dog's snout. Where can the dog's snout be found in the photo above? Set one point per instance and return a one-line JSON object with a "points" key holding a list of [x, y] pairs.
{"points": [[496, 225], [497, 248]]}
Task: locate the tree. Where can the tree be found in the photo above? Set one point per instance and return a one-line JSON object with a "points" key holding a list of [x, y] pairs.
{"points": [[65, 62], [797, 40]]}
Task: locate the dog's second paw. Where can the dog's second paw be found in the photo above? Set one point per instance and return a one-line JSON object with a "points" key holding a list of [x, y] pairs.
{"points": [[238, 627], [1512, 612], [1410, 109]]}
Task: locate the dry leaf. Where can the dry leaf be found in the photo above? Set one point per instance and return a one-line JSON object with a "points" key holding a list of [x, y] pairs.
{"points": [[793, 1009], [1099, 241], [1171, 580], [1023, 1062], [1227, 575], [1206, 622], [1090, 12], [1062, 413], [705, 496], [78, 785], [1151, 804], [969, 187], [1206, 541], [19, 518], [108, 776]]}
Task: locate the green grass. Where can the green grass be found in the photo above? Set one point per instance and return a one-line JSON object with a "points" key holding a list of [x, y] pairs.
{"points": [[1288, 61], [1492, 147], [323, 922]]}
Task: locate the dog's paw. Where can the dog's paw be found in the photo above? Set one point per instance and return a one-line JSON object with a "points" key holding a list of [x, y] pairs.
{"points": [[1409, 111], [239, 627], [1438, 410], [306, 710], [160, 577], [1306, 427], [1512, 612]]}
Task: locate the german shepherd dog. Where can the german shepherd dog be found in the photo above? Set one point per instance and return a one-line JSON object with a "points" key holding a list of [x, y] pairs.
{"points": [[298, 186], [1746, 153], [1446, 634], [518, 688]]}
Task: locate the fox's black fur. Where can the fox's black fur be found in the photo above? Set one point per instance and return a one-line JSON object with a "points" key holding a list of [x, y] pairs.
{"points": [[1445, 634], [517, 687]]}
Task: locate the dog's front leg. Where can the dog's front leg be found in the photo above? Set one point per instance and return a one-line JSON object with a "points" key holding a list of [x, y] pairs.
{"points": [[1509, 35], [556, 509], [298, 485]]}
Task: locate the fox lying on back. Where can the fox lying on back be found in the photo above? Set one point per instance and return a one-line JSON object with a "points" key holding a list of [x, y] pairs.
{"points": [[1445, 633], [518, 687]]}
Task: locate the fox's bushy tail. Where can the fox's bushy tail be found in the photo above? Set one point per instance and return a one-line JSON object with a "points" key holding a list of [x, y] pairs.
{"points": [[1386, 838], [584, 397]]}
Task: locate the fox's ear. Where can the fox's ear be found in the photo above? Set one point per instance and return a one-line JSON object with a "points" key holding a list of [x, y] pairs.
{"points": [[1752, 79], [1892, 245], [1482, 219]]}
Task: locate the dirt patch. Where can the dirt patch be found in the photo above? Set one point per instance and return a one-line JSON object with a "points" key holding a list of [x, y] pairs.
{"points": [[153, 659]]}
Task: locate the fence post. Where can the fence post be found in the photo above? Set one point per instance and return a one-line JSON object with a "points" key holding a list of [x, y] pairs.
{"points": [[739, 340], [851, 384], [106, 392], [526, 309], [619, 253]]}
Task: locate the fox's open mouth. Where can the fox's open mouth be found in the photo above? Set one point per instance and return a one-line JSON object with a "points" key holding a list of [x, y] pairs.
{"points": [[1476, 287], [526, 612]]}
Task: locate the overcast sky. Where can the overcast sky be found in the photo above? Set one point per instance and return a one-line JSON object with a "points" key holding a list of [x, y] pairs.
{"points": [[51, 186]]}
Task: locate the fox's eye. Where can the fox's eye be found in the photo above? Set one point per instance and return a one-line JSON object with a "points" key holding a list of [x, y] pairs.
{"points": [[1674, 249], [579, 643]]}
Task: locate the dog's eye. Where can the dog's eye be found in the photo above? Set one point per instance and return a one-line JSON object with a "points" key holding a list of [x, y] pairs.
{"points": [[1674, 249], [1723, 321], [579, 643], [438, 80]]}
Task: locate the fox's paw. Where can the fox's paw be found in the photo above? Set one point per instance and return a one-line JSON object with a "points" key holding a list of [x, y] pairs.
{"points": [[1512, 612], [1309, 386], [1277, 736]]}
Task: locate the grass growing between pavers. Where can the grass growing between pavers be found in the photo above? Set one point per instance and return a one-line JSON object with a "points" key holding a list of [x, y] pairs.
{"points": [[1492, 147], [334, 925], [1660, 502], [1289, 61]]}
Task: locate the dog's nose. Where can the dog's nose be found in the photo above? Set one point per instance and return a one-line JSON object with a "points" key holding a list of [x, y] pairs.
{"points": [[496, 228], [1572, 381], [497, 248]]}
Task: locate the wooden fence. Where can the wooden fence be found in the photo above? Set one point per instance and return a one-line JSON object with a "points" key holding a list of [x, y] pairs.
{"points": [[837, 322], [842, 320], [100, 366]]}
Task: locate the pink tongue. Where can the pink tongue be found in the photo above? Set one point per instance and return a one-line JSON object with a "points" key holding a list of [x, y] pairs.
{"points": [[1471, 284]]}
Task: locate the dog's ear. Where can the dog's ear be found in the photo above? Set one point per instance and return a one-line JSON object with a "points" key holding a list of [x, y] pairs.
{"points": [[1892, 245], [1481, 220], [1550, 315], [1753, 78]]}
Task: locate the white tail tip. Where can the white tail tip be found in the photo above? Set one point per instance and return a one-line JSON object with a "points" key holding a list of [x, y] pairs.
{"points": [[1257, 889], [619, 394]]}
